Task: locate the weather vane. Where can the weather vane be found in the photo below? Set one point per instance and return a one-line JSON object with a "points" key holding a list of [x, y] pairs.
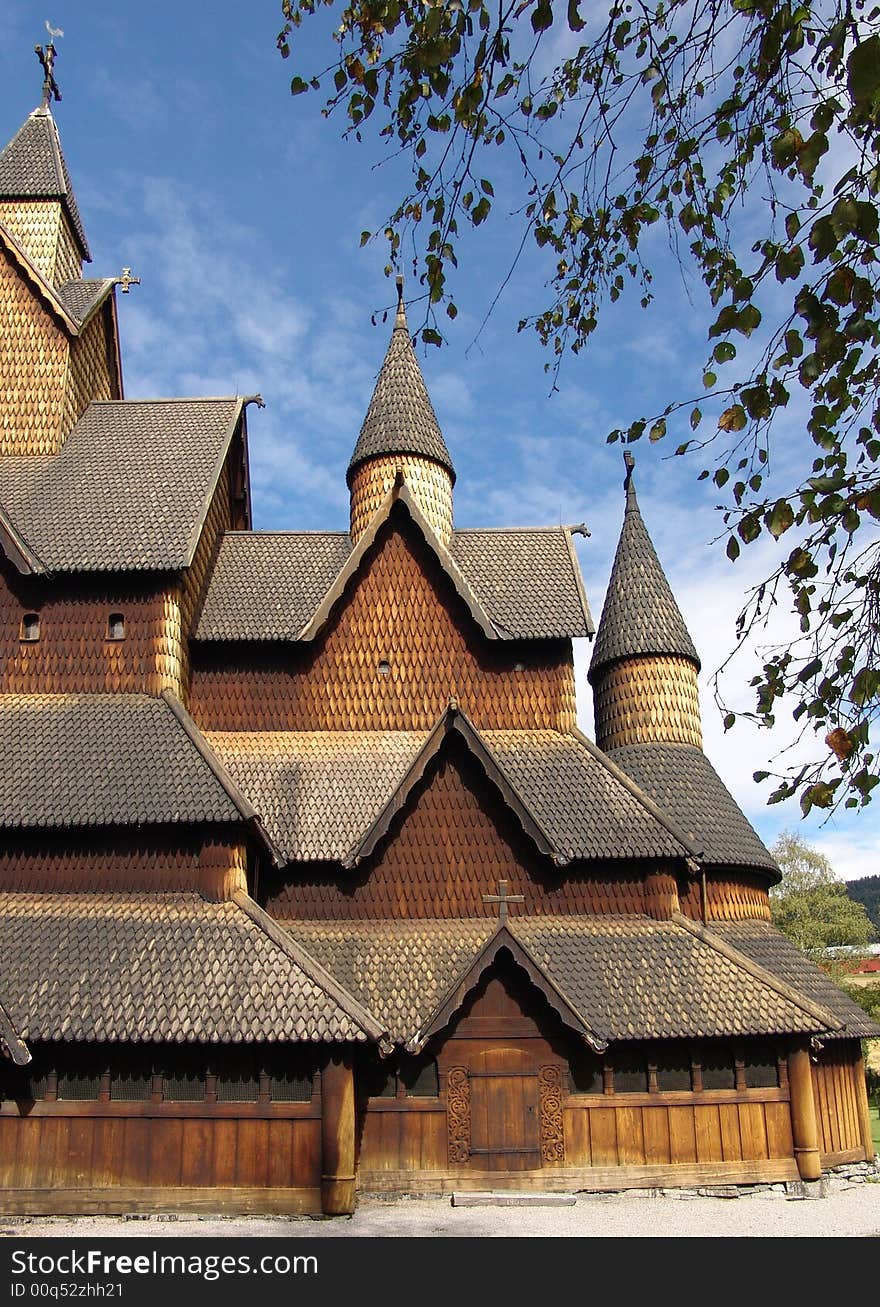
{"points": [[46, 57]]}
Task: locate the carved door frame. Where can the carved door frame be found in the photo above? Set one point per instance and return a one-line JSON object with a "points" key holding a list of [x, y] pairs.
{"points": [[550, 1106]]}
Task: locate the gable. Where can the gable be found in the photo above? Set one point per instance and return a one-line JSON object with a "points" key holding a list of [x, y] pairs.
{"points": [[397, 644]]}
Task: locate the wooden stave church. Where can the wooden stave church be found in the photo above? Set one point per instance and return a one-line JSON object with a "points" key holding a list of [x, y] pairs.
{"points": [[309, 884]]}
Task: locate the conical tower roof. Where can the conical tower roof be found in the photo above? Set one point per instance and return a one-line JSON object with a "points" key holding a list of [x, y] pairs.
{"points": [[32, 167], [640, 615], [401, 418]]}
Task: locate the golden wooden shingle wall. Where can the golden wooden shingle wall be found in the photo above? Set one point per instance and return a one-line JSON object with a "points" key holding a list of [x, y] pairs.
{"points": [[74, 652], [43, 232], [730, 896], [642, 700], [117, 862], [399, 612], [430, 484], [33, 365], [88, 372]]}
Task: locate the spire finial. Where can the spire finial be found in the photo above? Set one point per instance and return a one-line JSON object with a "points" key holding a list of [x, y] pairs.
{"points": [[401, 311], [46, 57], [629, 464]]}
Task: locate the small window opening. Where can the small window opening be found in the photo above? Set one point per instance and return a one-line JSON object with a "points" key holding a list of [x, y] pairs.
{"points": [[116, 626], [30, 627], [585, 1074], [131, 1081], [79, 1083], [237, 1078], [421, 1078], [384, 668], [719, 1071], [673, 1070]]}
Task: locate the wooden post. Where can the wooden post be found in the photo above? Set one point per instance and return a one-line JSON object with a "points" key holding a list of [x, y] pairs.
{"points": [[337, 1135], [861, 1088], [804, 1127]]}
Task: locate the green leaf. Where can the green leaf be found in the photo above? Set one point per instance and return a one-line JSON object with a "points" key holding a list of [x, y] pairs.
{"points": [[365, 236], [298, 86], [732, 548], [863, 71], [658, 430], [780, 518], [729, 720], [542, 16]]}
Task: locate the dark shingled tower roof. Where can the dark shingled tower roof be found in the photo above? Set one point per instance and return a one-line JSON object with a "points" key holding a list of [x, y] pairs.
{"points": [[640, 615], [32, 167], [401, 419]]}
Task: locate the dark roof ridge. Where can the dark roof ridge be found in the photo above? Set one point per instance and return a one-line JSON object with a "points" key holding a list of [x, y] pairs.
{"points": [[398, 494], [774, 982], [504, 937], [638, 793], [248, 812], [173, 399], [453, 719], [262, 532], [16, 547], [313, 969], [12, 1041]]}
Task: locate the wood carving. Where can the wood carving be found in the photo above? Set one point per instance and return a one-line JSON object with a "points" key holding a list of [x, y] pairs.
{"points": [[458, 1114], [552, 1135]]}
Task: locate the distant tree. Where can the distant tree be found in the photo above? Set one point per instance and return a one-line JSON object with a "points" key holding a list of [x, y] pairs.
{"points": [[811, 905], [750, 130], [866, 891]]}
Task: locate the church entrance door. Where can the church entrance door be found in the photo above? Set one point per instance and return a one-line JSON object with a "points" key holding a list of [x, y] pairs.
{"points": [[505, 1118]]}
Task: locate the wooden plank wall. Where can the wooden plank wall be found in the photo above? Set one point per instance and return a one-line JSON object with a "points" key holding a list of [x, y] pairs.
{"points": [[837, 1087], [109, 1148], [751, 1126]]}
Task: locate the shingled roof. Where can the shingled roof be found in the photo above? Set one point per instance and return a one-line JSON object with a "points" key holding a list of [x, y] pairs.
{"points": [[32, 167], [129, 489], [102, 760], [682, 781], [161, 967], [628, 978], [267, 585], [80, 298], [640, 615], [401, 418], [321, 793], [766, 946]]}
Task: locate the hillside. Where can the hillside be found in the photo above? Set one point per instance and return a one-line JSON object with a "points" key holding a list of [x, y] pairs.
{"points": [[867, 892]]}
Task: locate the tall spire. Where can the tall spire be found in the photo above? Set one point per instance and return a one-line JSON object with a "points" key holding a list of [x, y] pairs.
{"points": [[640, 615], [33, 174], [401, 433], [644, 665]]}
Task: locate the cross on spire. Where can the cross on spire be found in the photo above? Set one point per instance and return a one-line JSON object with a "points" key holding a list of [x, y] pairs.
{"points": [[502, 898], [46, 57]]}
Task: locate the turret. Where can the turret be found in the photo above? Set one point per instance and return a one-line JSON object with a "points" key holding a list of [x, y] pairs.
{"points": [[401, 434], [37, 203], [644, 665]]}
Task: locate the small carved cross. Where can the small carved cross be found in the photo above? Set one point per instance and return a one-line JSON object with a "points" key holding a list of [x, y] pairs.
{"points": [[126, 281], [47, 59], [502, 898]]}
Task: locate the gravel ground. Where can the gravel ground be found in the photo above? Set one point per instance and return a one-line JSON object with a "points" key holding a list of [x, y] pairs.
{"points": [[847, 1210]]}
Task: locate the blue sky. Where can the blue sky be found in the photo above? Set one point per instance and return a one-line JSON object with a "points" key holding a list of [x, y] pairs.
{"points": [[241, 210]]}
